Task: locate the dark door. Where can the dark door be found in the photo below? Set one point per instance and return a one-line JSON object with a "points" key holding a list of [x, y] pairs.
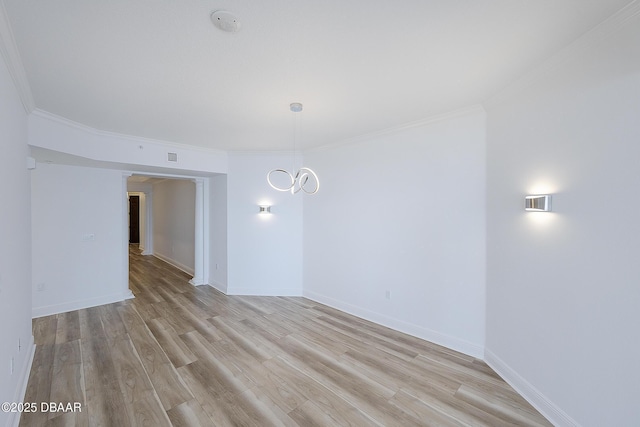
{"points": [[134, 219]]}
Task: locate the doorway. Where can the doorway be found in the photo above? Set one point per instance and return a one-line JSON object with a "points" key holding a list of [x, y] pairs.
{"points": [[173, 220], [134, 219]]}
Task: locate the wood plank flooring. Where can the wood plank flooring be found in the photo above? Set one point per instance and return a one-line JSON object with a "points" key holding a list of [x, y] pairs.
{"points": [[190, 356]]}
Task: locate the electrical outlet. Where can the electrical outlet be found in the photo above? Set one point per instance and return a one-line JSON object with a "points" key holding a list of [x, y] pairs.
{"points": [[41, 287], [387, 294]]}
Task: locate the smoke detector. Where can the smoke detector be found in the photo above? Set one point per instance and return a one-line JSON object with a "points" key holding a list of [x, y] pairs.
{"points": [[226, 21]]}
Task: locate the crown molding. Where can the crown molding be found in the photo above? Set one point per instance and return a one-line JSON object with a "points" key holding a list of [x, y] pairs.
{"points": [[588, 40], [461, 112], [106, 134], [274, 153], [11, 55]]}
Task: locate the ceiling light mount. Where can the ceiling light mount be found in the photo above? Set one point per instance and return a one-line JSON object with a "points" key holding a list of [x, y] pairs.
{"points": [[225, 21]]}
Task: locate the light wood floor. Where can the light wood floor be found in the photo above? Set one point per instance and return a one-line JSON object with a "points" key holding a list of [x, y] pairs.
{"points": [[186, 356]]}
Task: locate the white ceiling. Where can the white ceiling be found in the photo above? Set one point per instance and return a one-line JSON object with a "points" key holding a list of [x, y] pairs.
{"points": [[161, 70]]}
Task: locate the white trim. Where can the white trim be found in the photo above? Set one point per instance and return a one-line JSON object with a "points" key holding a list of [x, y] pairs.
{"points": [[174, 263], [196, 281], [418, 331], [148, 232], [551, 412], [14, 417], [277, 292], [80, 304], [461, 112], [199, 259], [613, 24], [124, 263], [218, 286], [11, 55], [167, 176], [206, 244], [136, 139]]}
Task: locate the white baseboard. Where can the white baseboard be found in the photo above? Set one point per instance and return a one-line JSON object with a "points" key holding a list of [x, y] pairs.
{"points": [[174, 263], [551, 412], [14, 417], [279, 292], [448, 341], [77, 305], [218, 286]]}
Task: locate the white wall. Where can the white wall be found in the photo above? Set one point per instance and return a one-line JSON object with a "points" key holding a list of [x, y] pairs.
{"points": [[15, 247], [174, 222], [264, 252], [563, 288], [218, 232], [77, 232], [403, 212]]}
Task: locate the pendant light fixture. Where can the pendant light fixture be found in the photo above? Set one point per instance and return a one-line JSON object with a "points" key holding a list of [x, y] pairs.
{"points": [[304, 179]]}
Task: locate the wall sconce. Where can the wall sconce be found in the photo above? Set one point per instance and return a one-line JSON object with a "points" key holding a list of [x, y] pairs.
{"points": [[537, 203], [265, 210]]}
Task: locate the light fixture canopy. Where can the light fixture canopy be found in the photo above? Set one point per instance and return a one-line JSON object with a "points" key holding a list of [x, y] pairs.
{"points": [[304, 179], [225, 21], [537, 203]]}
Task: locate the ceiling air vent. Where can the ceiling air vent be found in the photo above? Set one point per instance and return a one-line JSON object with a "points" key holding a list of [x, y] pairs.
{"points": [[172, 157]]}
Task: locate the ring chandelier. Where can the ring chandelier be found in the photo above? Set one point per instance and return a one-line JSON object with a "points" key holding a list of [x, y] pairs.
{"points": [[304, 179]]}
